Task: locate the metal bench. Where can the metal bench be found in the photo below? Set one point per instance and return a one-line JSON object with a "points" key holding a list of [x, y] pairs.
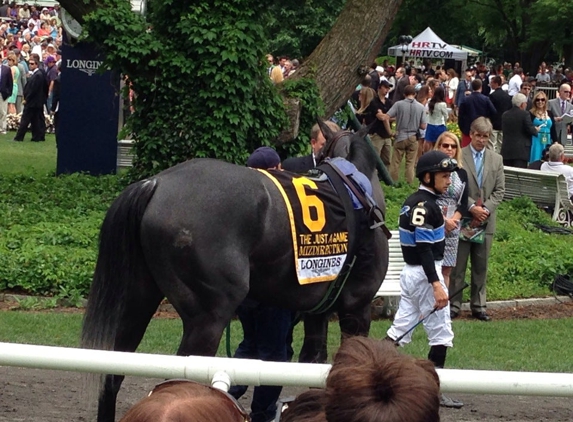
{"points": [[544, 188], [390, 288]]}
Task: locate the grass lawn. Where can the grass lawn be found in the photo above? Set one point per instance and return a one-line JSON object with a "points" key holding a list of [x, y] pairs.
{"points": [[31, 158], [518, 345]]}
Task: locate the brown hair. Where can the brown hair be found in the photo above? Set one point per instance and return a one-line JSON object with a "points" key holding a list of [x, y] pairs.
{"points": [[370, 382], [423, 95], [186, 401]]}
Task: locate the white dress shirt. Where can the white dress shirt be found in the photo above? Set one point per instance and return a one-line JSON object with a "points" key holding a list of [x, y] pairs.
{"points": [[564, 169], [514, 85]]}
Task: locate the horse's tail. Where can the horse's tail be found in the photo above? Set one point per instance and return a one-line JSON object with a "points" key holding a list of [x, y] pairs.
{"points": [[120, 256]]}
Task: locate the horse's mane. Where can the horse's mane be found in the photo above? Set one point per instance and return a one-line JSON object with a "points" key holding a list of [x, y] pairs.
{"points": [[361, 154]]}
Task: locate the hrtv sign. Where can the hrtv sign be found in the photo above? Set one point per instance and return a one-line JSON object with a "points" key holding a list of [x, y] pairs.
{"points": [[431, 50]]}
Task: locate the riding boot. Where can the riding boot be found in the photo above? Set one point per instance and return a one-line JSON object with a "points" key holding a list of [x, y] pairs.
{"points": [[437, 355]]}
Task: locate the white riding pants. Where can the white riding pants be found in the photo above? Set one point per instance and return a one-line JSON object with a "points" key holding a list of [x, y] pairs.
{"points": [[416, 302]]}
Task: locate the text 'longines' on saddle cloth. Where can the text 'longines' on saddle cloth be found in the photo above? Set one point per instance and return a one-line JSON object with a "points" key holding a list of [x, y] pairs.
{"points": [[318, 225]]}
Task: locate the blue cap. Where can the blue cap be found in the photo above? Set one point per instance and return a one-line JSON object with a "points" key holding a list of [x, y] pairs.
{"points": [[264, 158]]}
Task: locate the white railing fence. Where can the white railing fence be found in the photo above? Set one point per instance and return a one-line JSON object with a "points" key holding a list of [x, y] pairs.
{"points": [[254, 372]]}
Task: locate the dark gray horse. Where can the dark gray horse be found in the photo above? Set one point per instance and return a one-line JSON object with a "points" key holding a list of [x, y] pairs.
{"points": [[205, 234]]}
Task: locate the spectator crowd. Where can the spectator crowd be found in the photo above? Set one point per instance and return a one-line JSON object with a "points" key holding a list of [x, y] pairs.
{"points": [[29, 77]]}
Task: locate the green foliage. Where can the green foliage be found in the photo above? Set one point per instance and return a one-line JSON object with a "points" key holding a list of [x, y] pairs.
{"points": [[523, 259], [528, 31], [296, 27], [199, 77], [31, 303], [49, 232], [50, 226]]}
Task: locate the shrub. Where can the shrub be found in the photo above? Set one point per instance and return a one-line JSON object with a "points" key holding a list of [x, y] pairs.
{"points": [[523, 260], [48, 239], [50, 226]]}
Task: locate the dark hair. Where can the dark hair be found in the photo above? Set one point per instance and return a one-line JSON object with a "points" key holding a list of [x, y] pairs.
{"points": [[496, 80], [409, 90], [308, 407], [371, 381], [476, 84], [438, 97]]}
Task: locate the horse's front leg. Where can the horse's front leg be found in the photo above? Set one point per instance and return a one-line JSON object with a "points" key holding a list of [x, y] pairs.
{"points": [[354, 322], [315, 337]]}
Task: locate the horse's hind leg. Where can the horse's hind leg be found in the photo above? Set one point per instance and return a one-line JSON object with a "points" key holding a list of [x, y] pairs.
{"points": [[141, 303], [354, 322], [206, 298], [315, 339]]}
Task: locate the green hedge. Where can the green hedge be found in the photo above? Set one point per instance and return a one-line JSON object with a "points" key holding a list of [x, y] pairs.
{"points": [[523, 260], [49, 231], [50, 225]]}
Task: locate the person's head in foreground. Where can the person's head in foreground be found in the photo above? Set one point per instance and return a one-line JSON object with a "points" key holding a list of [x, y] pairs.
{"points": [[186, 401], [370, 381]]}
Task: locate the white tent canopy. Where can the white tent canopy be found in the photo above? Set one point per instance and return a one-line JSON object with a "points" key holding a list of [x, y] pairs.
{"points": [[428, 45]]}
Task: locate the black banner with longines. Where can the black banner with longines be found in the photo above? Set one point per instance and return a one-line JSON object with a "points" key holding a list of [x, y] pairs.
{"points": [[88, 113]]}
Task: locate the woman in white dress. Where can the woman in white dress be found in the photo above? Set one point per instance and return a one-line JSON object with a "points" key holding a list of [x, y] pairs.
{"points": [[452, 86]]}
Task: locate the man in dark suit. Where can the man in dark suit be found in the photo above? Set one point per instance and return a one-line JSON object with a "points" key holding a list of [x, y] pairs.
{"points": [[502, 102], [402, 81], [6, 86], [35, 95], [307, 162], [473, 106], [464, 88], [486, 187], [517, 129]]}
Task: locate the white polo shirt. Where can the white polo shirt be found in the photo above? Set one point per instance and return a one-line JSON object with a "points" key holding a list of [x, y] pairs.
{"points": [[564, 169]]}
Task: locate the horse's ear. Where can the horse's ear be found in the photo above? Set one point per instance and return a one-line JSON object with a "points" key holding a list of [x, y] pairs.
{"points": [[364, 131], [325, 129]]}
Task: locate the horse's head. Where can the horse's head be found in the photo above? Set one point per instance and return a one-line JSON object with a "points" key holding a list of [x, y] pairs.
{"points": [[340, 144]]}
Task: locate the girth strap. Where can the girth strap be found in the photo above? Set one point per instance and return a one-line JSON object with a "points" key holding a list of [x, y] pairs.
{"points": [[336, 286]]}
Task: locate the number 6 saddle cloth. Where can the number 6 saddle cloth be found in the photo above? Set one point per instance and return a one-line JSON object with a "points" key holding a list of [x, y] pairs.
{"points": [[318, 224]]}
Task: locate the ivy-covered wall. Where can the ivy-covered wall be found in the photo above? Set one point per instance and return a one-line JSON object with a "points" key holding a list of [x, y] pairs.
{"points": [[199, 76]]}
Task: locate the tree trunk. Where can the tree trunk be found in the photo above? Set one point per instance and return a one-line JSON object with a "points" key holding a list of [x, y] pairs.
{"points": [[345, 53], [342, 57]]}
